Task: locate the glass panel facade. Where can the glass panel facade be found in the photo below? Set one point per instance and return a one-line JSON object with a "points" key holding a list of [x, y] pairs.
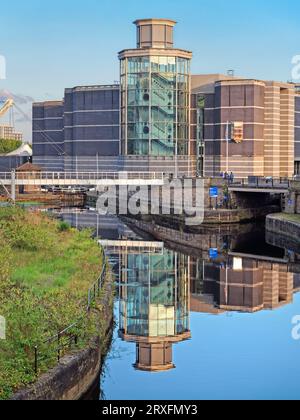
{"points": [[200, 133], [155, 106], [155, 299]]}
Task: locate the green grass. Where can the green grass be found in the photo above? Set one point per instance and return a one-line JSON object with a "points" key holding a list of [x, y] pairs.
{"points": [[45, 272]]}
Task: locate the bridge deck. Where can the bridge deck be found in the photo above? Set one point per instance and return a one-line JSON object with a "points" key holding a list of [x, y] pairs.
{"points": [[259, 257], [269, 186], [265, 190], [81, 178]]}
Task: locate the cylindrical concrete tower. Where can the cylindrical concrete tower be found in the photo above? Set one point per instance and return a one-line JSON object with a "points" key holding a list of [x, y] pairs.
{"points": [[155, 33], [155, 101]]}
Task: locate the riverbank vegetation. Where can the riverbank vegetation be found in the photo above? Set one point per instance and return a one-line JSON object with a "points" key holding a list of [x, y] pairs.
{"points": [[46, 269]]}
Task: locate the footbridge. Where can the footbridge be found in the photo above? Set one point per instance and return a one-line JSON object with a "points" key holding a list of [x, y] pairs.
{"points": [[14, 179], [261, 185]]}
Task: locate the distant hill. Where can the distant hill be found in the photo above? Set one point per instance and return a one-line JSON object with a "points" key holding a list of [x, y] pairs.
{"points": [[8, 145]]}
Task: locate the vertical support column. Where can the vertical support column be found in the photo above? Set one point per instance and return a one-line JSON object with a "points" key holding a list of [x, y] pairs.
{"points": [[176, 118], [13, 186]]}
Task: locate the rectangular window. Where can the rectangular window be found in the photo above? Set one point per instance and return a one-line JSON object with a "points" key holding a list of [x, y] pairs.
{"points": [[237, 132]]}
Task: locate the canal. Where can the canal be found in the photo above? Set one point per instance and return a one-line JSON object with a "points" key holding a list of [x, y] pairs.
{"points": [[215, 324]]}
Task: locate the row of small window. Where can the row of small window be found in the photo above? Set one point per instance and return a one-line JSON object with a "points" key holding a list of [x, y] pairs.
{"points": [[159, 64], [158, 81], [141, 92], [157, 102], [153, 262], [157, 117], [155, 98], [147, 94], [99, 99], [159, 130], [134, 317], [156, 148], [143, 114]]}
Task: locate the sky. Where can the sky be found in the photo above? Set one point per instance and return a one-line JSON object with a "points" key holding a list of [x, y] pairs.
{"points": [[51, 45]]}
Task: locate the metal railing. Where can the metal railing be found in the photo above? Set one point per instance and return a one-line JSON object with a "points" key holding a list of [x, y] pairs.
{"points": [[95, 290], [55, 346], [84, 176], [59, 343], [258, 182]]}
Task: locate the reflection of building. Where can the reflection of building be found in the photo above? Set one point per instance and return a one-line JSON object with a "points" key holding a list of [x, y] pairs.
{"points": [[245, 285], [109, 226], [154, 306]]}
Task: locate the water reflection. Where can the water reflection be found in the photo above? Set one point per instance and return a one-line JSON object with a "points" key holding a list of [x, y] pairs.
{"points": [[241, 284], [160, 286], [154, 306]]}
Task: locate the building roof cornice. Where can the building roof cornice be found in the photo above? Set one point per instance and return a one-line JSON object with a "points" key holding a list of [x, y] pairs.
{"points": [[48, 103], [148, 52], [154, 21]]}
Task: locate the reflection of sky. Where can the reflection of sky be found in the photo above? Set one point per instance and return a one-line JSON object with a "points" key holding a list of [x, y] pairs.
{"points": [[239, 356]]}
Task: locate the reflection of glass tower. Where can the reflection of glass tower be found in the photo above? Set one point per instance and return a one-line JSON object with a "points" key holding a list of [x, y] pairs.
{"points": [[154, 306], [155, 94]]}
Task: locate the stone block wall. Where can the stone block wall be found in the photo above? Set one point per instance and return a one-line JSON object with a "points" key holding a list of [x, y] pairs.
{"points": [[292, 203]]}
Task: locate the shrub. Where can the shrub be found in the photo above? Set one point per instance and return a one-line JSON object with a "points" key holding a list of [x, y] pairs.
{"points": [[9, 145], [63, 226]]}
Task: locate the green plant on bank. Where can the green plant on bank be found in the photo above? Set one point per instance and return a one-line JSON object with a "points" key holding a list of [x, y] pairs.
{"points": [[46, 268], [9, 145], [64, 226]]}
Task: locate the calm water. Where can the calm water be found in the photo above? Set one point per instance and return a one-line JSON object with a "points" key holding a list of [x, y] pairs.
{"points": [[191, 327]]}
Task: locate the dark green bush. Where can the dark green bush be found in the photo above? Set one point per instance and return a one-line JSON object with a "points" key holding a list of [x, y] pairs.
{"points": [[63, 226], [9, 145]]}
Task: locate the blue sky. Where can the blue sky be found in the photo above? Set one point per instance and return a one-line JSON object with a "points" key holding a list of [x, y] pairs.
{"points": [[50, 45]]}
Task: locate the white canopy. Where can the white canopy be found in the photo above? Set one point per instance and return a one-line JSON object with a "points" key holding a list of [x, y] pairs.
{"points": [[24, 150]]}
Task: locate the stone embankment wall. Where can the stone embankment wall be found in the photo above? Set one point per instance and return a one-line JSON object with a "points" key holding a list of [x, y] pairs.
{"points": [[292, 205], [282, 225]]}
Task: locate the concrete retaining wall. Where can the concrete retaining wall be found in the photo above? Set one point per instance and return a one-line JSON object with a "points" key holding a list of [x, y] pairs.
{"points": [[292, 204], [238, 215], [277, 224]]}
